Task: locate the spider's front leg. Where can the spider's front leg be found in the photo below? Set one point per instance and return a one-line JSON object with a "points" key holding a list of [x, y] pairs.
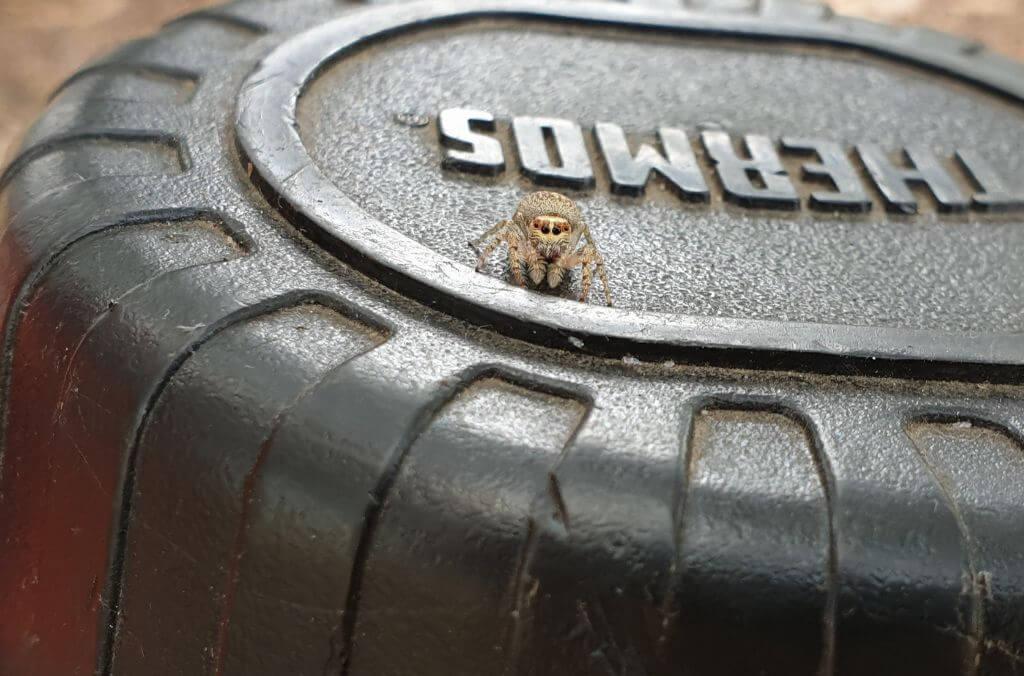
{"points": [[586, 258], [504, 232], [490, 240]]}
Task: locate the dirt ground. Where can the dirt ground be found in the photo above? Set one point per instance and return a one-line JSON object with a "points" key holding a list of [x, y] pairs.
{"points": [[44, 41]]}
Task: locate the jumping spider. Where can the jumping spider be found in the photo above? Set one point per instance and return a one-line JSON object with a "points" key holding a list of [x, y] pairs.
{"points": [[544, 236]]}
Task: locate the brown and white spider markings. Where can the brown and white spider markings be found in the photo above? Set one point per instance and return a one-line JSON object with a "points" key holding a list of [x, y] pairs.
{"points": [[544, 236]]}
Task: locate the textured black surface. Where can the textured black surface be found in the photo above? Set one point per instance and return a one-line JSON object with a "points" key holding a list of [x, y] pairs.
{"points": [[951, 273], [227, 452], [268, 125]]}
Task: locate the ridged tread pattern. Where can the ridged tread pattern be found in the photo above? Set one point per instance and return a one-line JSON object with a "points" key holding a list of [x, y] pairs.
{"points": [[584, 501]]}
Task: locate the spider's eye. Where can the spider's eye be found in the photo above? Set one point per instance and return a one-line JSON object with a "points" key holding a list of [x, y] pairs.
{"points": [[556, 231], [545, 230]]}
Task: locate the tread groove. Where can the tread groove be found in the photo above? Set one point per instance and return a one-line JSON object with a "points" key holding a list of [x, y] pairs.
{"points": [[826, 477], [684, 475], [60, 141], [976, 629], [98, 319], [248, 497], [378, 496], [219, 17], [32, 280], [522, 573], [523, 592], [114, 302], [115, 68], [238, 550], [79, 181], [976, 622], [123, 513], [447, 393]]}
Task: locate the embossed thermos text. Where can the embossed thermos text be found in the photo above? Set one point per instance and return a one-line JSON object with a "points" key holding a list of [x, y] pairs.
{"points": [[553, 152]]}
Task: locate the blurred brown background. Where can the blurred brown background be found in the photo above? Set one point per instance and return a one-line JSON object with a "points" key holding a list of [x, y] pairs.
{"points": [[44, 41]]}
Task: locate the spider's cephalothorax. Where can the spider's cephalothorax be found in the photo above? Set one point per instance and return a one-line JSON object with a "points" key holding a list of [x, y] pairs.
{"points": [[544, 236]]}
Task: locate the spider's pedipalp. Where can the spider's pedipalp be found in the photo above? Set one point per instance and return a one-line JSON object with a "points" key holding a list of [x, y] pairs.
{"points": [[538, 269], [555, 275]]}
